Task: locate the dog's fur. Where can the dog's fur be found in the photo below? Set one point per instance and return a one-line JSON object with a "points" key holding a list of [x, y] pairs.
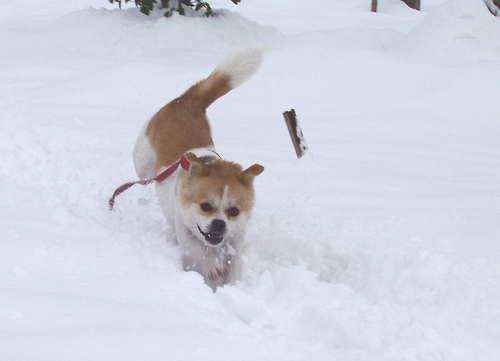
{"points": [[210, 204]]}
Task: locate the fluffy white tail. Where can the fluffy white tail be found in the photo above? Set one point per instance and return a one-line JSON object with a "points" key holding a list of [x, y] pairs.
{"points": [[241, 65], [230, 73]]}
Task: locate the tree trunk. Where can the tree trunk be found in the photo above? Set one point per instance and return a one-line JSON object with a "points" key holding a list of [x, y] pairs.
{"points": [[374, 6]]}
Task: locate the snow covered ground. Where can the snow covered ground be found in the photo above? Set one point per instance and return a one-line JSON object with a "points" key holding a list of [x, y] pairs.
{"points": [[381, 244]]}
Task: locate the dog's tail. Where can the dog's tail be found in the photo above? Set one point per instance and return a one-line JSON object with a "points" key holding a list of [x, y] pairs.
{"points": [[231, 72]]}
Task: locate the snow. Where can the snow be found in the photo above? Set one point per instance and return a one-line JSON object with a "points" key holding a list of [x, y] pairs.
{"points": [[380, 244]]}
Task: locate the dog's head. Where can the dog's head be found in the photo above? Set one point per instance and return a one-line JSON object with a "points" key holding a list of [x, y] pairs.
{"points": [[216, 199]]}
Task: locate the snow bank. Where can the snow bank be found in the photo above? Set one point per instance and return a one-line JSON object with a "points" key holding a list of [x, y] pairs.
{"points": [[456, 32]]}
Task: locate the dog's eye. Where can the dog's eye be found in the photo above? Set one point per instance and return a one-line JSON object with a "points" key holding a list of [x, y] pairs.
{"points": [[206, 207], [233, 212]]}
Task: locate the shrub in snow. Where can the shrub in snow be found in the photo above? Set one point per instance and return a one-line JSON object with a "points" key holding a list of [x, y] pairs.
{"points": [[172, 6]]}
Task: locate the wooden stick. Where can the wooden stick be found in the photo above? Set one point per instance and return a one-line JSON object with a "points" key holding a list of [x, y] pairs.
{"points": [[296, 134]]}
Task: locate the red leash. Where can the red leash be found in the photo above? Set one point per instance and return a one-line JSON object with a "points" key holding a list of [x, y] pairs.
{"points": [[184, 163]]}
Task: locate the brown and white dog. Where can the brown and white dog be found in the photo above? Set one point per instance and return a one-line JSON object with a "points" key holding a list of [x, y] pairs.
{"points": [[209, 201]]}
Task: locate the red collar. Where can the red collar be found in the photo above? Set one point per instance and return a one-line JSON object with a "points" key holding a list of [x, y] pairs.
{"points": [[183, 162]]}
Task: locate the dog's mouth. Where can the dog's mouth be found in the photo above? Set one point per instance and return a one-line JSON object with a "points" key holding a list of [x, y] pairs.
{"points": [[212, 238]]}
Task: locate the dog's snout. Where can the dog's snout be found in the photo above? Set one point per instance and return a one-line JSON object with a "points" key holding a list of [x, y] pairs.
{"points": [[216, 232], [219, 226]]}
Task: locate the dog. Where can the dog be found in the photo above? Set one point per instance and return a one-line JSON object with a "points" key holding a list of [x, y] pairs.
{"points": [[207, 200]]}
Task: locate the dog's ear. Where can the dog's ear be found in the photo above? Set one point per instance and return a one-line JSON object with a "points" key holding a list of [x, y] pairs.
{"points": [[246, 177], [196, 168]]}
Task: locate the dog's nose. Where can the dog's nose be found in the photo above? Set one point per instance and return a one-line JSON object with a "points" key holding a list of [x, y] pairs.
{"points": [[219, 226]]}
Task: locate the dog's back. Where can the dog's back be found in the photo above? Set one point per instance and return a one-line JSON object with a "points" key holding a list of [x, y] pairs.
{"points": [[182, 125]]}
